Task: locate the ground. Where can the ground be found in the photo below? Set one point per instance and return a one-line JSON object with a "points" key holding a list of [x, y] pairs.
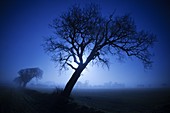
{"points": [[13, 100], [149, 100]]}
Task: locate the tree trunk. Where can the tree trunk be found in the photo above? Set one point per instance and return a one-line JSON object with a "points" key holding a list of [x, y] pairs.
{"points": [[70, 84], [24, 84]]}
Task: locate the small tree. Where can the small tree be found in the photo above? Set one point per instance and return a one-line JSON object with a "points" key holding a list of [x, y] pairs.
{"points": [[26, 75], [83, 35]]}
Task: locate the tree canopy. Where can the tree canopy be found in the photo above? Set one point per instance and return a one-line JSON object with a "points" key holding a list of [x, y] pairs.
{"points": [[85, 31], [84, 35], [26, 75]]}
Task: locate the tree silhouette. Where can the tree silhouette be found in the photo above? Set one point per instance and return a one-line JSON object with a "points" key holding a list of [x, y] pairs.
{"points": [[83, 35], [26, 75]]}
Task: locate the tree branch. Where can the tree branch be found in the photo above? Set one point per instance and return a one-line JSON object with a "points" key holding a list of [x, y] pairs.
{"points": [[71, 66], [85, 31]]}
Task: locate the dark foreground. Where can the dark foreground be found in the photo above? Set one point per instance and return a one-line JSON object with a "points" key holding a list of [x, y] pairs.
{"points": [[126, 100], [14, 100], [86, 101]]}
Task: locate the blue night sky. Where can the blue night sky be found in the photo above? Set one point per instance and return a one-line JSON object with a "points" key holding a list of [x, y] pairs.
{"points": [[25, 23]]}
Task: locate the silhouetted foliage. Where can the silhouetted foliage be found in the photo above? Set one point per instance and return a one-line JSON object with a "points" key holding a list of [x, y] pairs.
{"points": [[26, 75], [83, 35]]}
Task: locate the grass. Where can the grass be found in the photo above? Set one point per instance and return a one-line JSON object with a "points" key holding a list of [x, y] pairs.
{"points": [[31, 101], [14, 100], [126, 100]]}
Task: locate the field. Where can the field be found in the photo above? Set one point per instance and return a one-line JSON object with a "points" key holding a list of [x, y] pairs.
{"points": [[14, 100], [126, 100]]}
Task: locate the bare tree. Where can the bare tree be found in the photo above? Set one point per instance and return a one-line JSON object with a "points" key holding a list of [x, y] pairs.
{"points": [[26, 75], [83, 35]]}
